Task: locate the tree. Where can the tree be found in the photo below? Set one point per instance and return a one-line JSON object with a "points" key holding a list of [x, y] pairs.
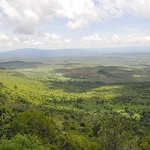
{"points": [[34, 122], [22, 142]]}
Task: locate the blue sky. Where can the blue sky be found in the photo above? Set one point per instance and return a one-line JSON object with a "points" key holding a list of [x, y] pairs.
{"points": [[74, 24]]}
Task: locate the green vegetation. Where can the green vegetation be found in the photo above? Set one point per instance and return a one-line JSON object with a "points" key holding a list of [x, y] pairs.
{"points": [[74, 106]]}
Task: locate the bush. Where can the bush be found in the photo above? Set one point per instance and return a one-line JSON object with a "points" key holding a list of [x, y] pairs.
{"points": [[20, 142], [35, 123]]}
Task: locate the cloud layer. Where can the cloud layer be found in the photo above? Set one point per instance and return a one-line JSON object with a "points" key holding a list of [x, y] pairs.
{"points": [[24, 15], [47, 40], [39, 39], [117, 39], [20, 22]]}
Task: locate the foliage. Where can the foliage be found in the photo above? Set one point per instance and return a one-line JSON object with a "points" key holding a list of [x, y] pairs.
{"points": [[34, 123], [22, 142], [51, 107]]}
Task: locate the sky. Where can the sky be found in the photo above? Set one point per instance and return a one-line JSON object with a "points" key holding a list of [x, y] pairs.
{"points": [[59, 24]]}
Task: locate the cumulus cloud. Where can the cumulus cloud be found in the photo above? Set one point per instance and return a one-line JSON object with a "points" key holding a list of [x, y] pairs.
{"points": [[24, 15], [67, 40], [51, 40], [4, 40], [116, 40], [92, 39], [37, 40], [3, 37], [81, 13], [40, 39], [138, 8]]}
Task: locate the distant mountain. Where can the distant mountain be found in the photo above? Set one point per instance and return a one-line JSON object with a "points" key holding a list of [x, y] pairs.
{"points": [[24, 53], [35, 54]]}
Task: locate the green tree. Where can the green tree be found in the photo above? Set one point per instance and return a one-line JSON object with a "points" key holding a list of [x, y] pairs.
{"points": [[22, 142], [34, 122]]}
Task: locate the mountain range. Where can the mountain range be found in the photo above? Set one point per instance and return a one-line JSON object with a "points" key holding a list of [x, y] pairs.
{"points": [[35, 54]]}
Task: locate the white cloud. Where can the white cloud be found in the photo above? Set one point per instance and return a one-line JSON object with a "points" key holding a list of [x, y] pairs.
{"points": [[67, 40], [81, 13], [135, 7], [51, 40], [77, 24], [116, 40], [92, 39], [4, 40], [24, 15], [3, 37], [38, 40], [10, 12]]}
